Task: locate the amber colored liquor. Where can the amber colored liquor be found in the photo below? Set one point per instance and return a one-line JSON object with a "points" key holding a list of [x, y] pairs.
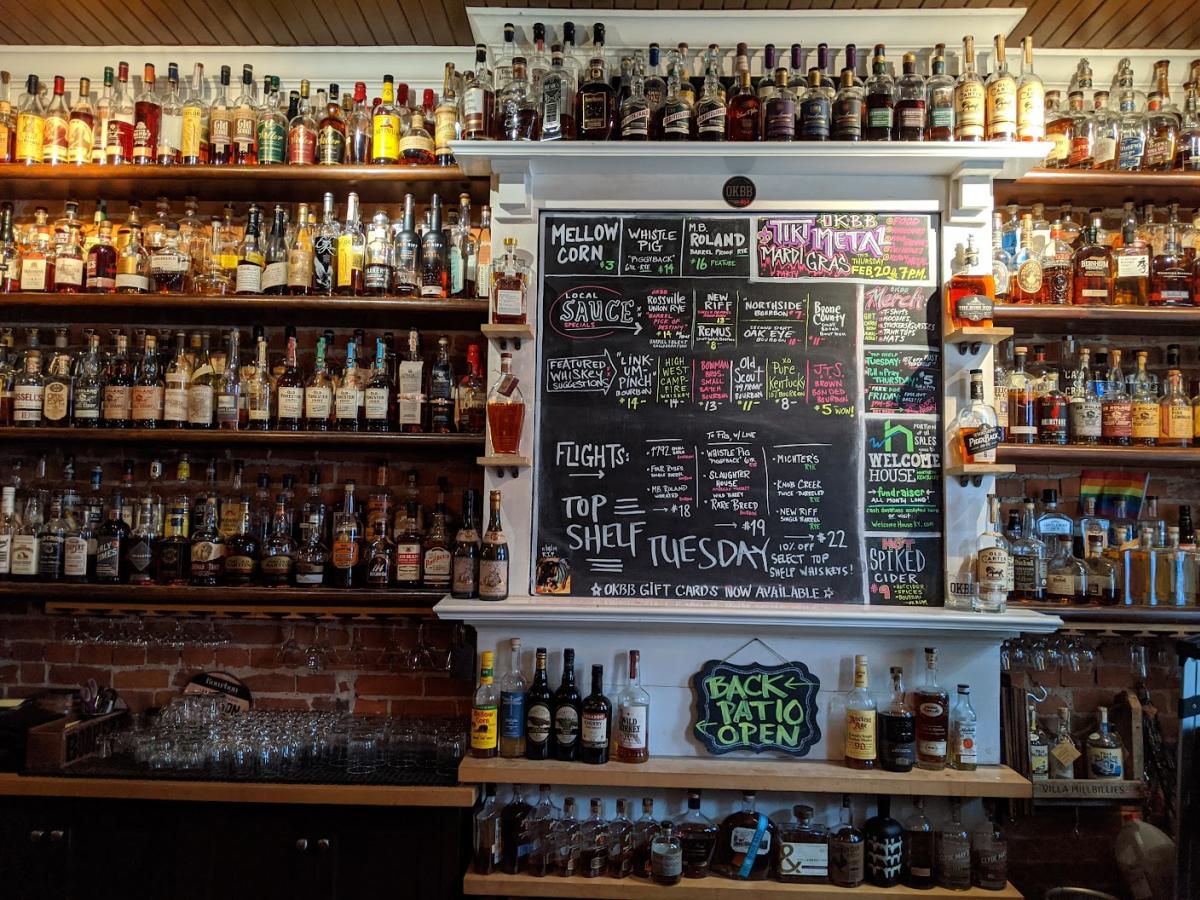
{"points": [[969, 284], [932, 703], [505, 421], [744, 113]]}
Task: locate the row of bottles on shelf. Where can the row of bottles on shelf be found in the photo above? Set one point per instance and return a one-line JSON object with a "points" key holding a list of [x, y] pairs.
{"points": [[1058, 756], [1083, 400], [291, 255], [516, 718], [207, 534], [181, 381], [1110, 261], [1047, 556], [748, 845]]}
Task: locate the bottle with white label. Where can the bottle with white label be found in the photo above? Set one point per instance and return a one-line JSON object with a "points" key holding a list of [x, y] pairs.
{"points": [[1105, 753], [509, 280], [933, 716], [633, 716], [289, 390], [493, 557], [1065, 751], [8, 527], [595, 719], [802, 854], [1039, 749], [24, 564], [745, 843], [963, 724]]}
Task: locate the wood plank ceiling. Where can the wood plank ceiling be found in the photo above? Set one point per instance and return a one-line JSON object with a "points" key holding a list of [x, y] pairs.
{"points": [[1053, 23]]}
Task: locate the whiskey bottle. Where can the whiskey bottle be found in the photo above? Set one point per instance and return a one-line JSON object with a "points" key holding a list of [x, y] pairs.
{"points": [[909, 116], [847, 113], [434, 273], [346, 552], [674, 120], [241, 550], [1065, 751], [29, 139], [711, 109], [566, 712], [81, 127], [484, 711], [644, 831], [932, 706], [860, 721], [939, 99], [595, 720], [1022, 412], [1105, 753], [279, 550], [989, 854], [1026, 283], [512, 705], [378, 557], [208, 548], [620, 842], [1038, 747], [633, 716], [952, 864], [816, 110], [666, 856], [539, 712], [509, 287], [595, 104], [744, 847], [1001, 113], [1162, 124], [802, 853], [744, 112], [969, 98], [963, 723], [897, 729], [636, 112], [464, 582], [1031, 98], [976, 426], [1092, 268], [779, 110], [993, 565], [1169, 277], [487, 833], [918, 848], [513, 848], [408, 548], [847, 857], [697, 838], [493, 556], [884, 850], [1116, 425], [881, 100]]}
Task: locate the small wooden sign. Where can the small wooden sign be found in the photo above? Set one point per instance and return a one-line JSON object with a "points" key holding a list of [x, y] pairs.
{"points": [[756, 707]]}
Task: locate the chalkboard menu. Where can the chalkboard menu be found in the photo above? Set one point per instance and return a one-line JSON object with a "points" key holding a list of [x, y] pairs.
{"points": [[739, 407]]}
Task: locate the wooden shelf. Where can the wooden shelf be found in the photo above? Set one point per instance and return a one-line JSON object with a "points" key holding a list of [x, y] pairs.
{"points": [[960, 469], [269, 310], [217, 438], [711, 888], [977, 334], [1137, 616], [13, 785], [245, 601], [1088, 790], [803, 776], [1099, 319], [279, 183], [1083, 187], [504, 461], [1099, 455], [502, 334]]}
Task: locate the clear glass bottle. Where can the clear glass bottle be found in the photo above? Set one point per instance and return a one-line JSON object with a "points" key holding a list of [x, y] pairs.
{"points": [[952, 863], [1065, 751], [969, 97], [989, 853], [485, 711], [1105, 752], [1038, 744], [697, 838], [512, 705], [1176, 422], [566, 840], [993, 565], [963, 724], [513, 848], [1001, 97], [1103, 580], [666, 856], [881, 100]]}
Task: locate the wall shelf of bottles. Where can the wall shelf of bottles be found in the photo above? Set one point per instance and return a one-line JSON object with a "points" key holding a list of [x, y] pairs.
{"points": [[697, 160], [277, 183], [711, 888], [1100, 455], [1098, 319], [184, 437], [1097, 188], [812, 776], [265, 309]]}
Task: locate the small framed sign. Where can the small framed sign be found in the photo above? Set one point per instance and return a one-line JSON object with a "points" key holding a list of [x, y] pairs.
{"points": [[756, 707]]}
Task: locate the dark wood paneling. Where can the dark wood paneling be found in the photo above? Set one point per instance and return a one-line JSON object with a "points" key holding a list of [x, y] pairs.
{"points": [[1053, 23]]}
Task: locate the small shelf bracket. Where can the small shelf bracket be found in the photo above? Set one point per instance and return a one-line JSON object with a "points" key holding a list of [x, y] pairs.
{"points": [[972, 480], [969, 347]]}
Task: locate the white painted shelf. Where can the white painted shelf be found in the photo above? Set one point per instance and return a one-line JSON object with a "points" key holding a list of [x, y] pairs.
{"points": [[998, 159], [653, 614]]}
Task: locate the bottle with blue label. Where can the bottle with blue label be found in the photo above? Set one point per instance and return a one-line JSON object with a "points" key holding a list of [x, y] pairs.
{"points": [[1105, 754]]}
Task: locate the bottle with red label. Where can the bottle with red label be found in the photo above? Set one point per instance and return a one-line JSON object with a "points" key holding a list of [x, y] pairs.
{"points": [[118, 140], [302, 132], [596, 721], [147, 121], [54, 134], [346, 551]]}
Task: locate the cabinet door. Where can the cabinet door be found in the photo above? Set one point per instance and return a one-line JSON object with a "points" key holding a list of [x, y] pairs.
{"points": [[264, 853], [416, 852]]}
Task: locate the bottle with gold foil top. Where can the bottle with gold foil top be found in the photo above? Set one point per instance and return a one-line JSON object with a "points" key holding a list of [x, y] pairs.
{"points": [[1162, 123], [1146, 424], [1175, 415], [7, 125], [969, 97], [31, 124], [932, 704], [193, 143], [493, 556], [860, 721], [385, 127], [81, 127], [302, 132], [1001, 98], [445, 120], [485, 711], [1031, 98]]}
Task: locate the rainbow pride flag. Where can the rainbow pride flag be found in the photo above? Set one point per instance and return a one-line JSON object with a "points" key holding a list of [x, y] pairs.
{"points": [[1109, 487]]}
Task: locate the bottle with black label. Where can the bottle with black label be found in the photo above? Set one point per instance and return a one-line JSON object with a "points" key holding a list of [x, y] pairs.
{"points": [[596, 720], [566, 712], [110, 542], [440, 396], [897, 729], [208, 548], [697, 837], [139, 549], [379, 555], [884, 846], [539, 712], [241, 549], [846, 850]]}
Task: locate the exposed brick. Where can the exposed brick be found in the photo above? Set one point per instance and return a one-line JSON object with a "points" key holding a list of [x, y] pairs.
{"points": [[280, 703], [1114, 676], [26, 651], [235, 657], [73, 676], [436, 686], [315, 684], [197, 656], [32, 628], [33, 673], [162, 656], [255, 633], [370, 707], [130, 656], [61, 653], [139, 701], [271, 683], [1084, 678], [10, 673], [95, 655], [423, 707], [142, 678], [390, 685], [162, 698], [263, 657]]}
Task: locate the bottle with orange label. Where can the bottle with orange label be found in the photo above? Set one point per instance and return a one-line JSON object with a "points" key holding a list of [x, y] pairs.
{"points": [[31, 124], [485, 711], [860, 721], [347, 532]]}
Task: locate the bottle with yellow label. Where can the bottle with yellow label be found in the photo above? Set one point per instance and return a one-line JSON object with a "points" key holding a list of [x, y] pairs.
{"points": [[1175, 416], [1031, 98], [193, 150], [1001, 98], [968, 97], [31, 124], [385, 127], [1146, 410], [54, 127], [445, 119], [485, 711], [860, 721], [351, 252]]}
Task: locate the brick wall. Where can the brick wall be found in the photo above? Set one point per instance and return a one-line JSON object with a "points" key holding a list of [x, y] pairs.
{"points": [[34, 655]]}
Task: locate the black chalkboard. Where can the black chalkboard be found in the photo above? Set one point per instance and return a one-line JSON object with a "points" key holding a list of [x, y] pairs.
{"points": [[739, 407]]}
